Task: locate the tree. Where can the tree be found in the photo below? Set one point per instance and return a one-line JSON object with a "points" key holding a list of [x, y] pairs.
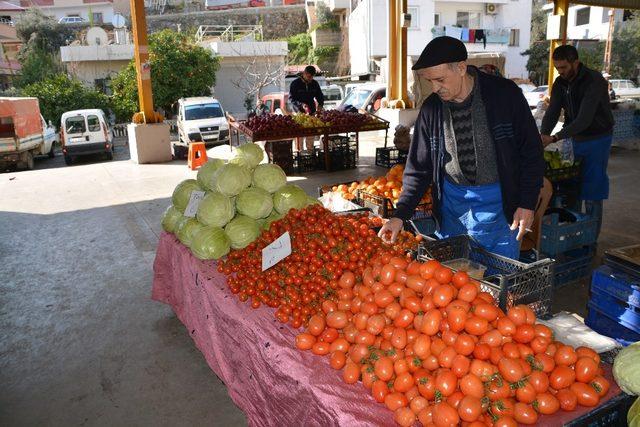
{"points": [[179, 68], [538, 52], [625, 51], [37, 65], [61, 93], [256, 74], [300, 49]]}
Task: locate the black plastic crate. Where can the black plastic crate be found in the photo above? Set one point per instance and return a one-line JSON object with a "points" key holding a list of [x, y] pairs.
{"points": [[613, 413], [281, 154], [341, 159], [304, 162], [572, 172], [384, 207], [510, 282], [387, 157]]}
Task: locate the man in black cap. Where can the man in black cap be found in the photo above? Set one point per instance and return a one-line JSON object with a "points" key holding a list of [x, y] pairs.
{"points": [[476, 143]]}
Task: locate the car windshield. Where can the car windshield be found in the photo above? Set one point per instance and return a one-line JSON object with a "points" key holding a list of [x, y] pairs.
{"points": [[202, 111], [75, 125], [357, 98], [540, 89], [331, 94]]}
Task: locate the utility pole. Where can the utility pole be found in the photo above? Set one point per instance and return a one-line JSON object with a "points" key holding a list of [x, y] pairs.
{"points": [[141, 56], [609, 42], [560, 7]]}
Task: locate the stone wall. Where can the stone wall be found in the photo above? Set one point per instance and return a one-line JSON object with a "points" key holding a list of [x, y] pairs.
{"points": [[278, 21]]}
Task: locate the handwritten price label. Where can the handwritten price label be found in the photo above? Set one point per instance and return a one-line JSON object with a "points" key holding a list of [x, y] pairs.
{"points": [[194, 202], [278, 250]]}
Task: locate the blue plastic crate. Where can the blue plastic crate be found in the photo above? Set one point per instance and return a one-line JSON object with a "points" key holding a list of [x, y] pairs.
{"points": [[605, 325], [619, 285], [573, 265], [557, 237]]}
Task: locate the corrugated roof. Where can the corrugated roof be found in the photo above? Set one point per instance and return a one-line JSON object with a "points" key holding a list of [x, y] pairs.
{"points": [[616, 4]]}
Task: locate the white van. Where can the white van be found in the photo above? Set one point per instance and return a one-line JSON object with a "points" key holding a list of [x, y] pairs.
{"points": [[85, 132], [202, 119], [333, 96]]}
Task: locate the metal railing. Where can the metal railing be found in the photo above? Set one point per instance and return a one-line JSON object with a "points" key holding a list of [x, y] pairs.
{"points": [[120, 129], [229, 33]]}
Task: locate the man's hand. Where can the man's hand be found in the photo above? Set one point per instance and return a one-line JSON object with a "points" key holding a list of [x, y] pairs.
{"points": [[393, 226], [320, 108], [546, 140], [522, 220]]}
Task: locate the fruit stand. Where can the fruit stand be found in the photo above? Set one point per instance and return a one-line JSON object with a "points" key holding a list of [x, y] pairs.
{"points": [[325, 124]]}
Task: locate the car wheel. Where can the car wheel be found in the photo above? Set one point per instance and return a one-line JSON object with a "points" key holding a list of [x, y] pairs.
{"points": [[51, 152], [68, 160], [28, 160]]}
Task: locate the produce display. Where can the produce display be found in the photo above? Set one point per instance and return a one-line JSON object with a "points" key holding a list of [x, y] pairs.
{"points": [[555, 161], [278, 124], [388, 186], [426, 341], [241, 197], [626, 371]]}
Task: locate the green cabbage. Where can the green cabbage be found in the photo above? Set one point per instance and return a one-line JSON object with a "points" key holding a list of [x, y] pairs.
{"points": [[269, 177], [633, 416], [626, 369], [210, 243], [182, 193], [215, 209], [231, 179], [254, 202], [207, 172], [186, 229], [271, 218], [289, 197], [242, 230], [170, 219], [249, 155]]}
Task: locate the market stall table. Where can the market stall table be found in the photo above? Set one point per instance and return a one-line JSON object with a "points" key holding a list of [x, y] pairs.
{"points": [[274, 383]]}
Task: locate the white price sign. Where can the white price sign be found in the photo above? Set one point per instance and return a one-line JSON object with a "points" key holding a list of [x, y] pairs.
{"points": [[278, 250], [194, 202]]}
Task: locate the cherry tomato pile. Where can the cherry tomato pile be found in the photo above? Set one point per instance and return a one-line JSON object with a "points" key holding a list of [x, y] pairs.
{"points": [[434, 348]]}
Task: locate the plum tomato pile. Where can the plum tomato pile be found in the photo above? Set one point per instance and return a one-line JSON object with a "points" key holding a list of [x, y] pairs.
{"points": [[324, 246], [434, 348]]}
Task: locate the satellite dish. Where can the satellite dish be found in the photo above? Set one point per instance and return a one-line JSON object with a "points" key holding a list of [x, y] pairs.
{"points": [[96, 36], [118, 21]]}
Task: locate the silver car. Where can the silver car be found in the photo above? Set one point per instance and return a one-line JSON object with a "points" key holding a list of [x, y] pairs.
{"points": [[625, 88]]}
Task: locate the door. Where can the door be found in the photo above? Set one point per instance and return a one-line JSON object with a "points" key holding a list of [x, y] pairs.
{"points": [[49, 135], [95, 131], [75, 129]]}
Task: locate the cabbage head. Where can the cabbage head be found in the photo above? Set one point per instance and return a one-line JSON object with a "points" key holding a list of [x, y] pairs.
{"points": [[241, 231], [215, 209], [231, 179], [249, 155], [626, 369], [186, 229], [206, 173], [271, 218], [254, 202], [210, 243], [170, 219], [182, 193], [269, 177], [633, 416], [289, 197]]}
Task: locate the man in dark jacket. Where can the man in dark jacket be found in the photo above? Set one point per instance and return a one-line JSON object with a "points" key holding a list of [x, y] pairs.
{"points": [[304, 92], [476, 143], [583, 95]]}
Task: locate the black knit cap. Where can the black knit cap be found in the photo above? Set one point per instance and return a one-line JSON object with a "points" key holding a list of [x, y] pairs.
{"points": [[441, 50]]}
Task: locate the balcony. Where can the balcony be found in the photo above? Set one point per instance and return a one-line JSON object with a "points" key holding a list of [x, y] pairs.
{"points": [[79, 53], [498, 36]]}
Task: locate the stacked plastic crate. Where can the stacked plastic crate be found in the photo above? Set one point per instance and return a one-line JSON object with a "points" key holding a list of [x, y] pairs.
{"points": [[614, 306]]}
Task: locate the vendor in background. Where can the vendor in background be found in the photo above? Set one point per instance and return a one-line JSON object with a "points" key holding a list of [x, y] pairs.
{"points": [[583, 95], [303, 94], [476, 143]]}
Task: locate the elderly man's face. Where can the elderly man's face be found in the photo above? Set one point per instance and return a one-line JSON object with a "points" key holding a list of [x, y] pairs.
{"points": [[446, 79]]}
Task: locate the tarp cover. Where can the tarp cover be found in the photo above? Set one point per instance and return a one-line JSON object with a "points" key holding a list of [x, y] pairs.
{"points": [[274, 383], [25, 113]]}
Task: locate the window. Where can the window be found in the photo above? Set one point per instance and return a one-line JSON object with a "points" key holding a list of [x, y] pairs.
{"points": [[605, 14], [276, 104], [75, 125], [202, 111], [436, 20], [469, 19], [97, 17], [514, 37], [357, 98], [94, 123], [268, 103], [582, 16], [415, 17]]}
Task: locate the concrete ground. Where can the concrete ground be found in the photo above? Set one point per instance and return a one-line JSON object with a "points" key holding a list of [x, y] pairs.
{"points": [[81, 342]]}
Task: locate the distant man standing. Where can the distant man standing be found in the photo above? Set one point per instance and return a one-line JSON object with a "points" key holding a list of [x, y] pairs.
{"points": [[304, 93], [583, 95]]}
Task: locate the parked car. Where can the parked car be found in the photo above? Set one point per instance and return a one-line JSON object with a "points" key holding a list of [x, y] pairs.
{"points": [[625, 88], [366, 97], [526, 87], [202, 119], [536, 95], [85, 132], [333, 96], [278, 103], [24, 134], [71, 20]]}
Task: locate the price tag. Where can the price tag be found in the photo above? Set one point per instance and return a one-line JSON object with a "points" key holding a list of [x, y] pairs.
{"points": [[194, 202], [278, 250]]}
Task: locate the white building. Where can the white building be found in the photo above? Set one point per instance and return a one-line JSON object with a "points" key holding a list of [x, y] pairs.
{"points": [[505, 23], [91, 11], [588, 22]]}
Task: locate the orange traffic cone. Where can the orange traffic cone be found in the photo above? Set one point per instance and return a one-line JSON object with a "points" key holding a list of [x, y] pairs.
{"points": [[197, 155]]}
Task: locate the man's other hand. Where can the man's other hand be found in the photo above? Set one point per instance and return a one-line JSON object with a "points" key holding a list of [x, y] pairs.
{"points": [[390, 230], [546, 140], [522, 220]]}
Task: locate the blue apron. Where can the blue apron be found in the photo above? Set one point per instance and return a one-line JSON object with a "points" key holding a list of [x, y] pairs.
{"points": [[477, 211], [595, 157]]}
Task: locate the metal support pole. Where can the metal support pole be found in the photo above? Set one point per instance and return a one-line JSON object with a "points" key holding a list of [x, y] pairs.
{"points": [[392, 56], [609, 42], [141, 56], [560, 7]]}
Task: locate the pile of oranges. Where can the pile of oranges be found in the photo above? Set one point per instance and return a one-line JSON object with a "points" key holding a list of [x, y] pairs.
{"points": [[388, 186]]}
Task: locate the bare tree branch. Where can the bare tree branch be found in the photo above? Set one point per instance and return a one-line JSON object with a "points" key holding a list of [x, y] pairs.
{"points": [[257, 73]]}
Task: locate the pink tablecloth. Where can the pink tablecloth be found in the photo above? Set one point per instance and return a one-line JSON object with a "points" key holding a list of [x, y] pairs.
{"points": [[267, 377]]}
